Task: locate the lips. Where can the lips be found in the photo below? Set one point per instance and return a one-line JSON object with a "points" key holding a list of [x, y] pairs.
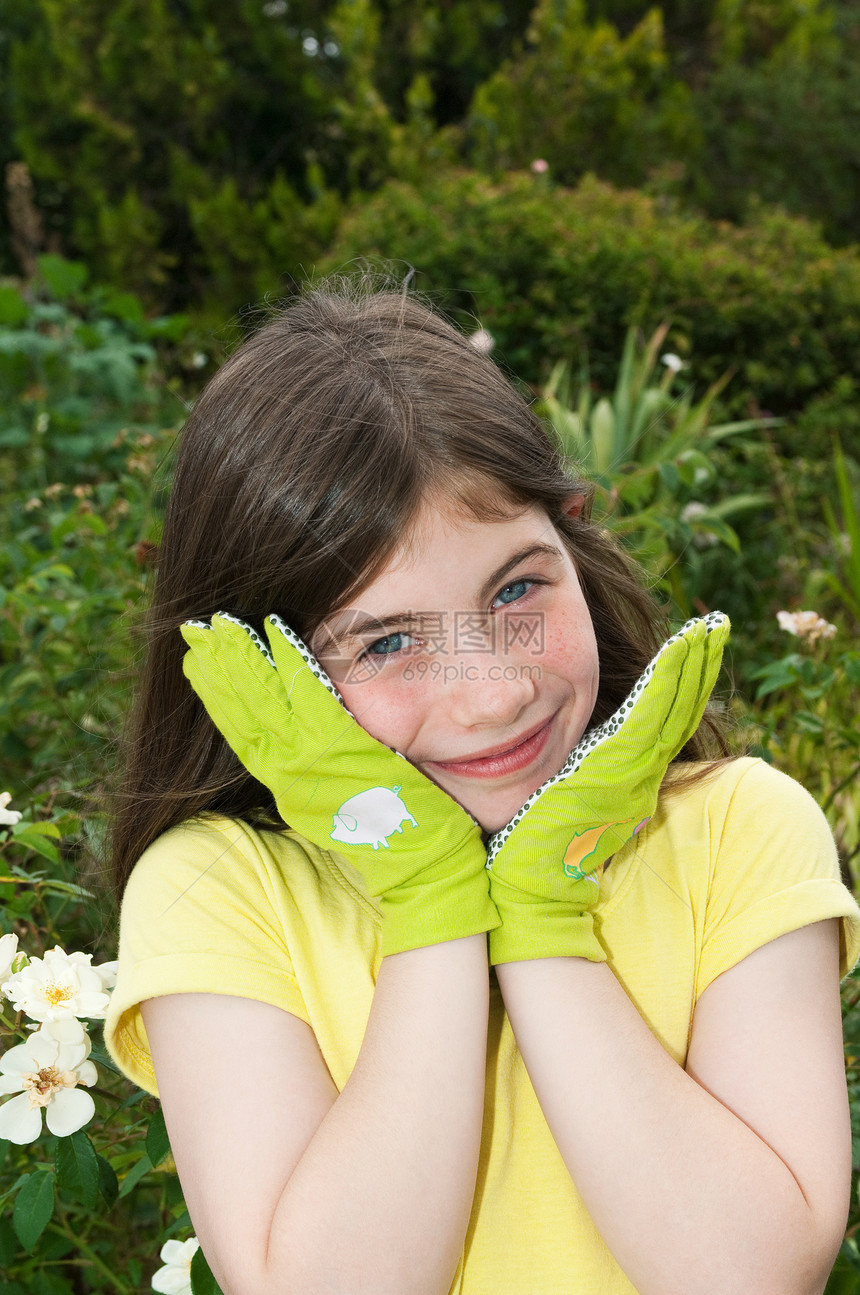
{"points": [[501, 760]]}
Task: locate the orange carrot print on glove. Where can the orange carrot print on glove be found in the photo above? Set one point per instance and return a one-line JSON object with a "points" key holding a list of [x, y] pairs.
{"points": [[584, 844]]}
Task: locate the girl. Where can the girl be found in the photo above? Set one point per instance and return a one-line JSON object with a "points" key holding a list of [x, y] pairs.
{"points": [[408, 1032]]}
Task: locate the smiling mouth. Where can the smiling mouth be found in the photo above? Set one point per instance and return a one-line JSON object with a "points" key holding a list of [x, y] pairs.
{"points": [[508, 760]]}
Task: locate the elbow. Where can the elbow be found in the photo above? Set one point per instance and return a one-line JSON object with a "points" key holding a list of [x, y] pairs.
{"points": [[794, 1259], [821, 1264], [826, 1232], [801, 1267], [796, 1256]]}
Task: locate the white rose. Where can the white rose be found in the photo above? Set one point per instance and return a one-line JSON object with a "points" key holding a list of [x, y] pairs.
{"points": [[8, 954], [46, 1072], [175, 1277], [8, 817], [806, 625], [58, 986]]}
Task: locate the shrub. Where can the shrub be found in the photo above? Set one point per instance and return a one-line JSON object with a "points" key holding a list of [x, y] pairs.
{"points": [[784, 131], [82, 436], [212, 143], [90, 1197], [551, 272], [583, 98]]}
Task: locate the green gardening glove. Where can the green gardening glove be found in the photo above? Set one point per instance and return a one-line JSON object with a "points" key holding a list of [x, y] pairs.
{"points": [[418, 852], [545, 864]]}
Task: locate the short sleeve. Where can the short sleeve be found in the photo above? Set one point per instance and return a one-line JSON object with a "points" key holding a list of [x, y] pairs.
{"points": [[774, 870], [199, 915]]}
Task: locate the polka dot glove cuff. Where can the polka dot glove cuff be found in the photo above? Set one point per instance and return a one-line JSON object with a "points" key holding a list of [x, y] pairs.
{"points": [[418, 852], [545, 864]]}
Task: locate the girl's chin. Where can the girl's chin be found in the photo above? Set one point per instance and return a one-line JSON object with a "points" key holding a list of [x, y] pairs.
{"points": [[492, 817]]}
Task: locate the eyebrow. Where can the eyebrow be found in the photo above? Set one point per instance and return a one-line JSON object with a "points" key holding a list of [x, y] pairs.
{"points": [[399, 620]]}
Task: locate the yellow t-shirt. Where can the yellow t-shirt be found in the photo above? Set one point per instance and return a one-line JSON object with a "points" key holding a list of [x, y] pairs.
{"points": [[722, 868]]}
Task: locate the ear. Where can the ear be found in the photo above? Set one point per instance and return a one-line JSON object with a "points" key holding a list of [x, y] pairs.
{"points": [[573, 505]]}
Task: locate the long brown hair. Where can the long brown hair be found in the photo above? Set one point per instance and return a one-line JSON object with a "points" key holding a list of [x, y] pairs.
{"points": [[298, 473]]}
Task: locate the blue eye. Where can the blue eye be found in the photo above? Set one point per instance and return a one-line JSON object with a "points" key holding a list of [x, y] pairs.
{"points": [[511, 593], [388, 646]]}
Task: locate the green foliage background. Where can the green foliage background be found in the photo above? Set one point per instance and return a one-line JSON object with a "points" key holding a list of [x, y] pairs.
{"points": [[169, 165], [197, 153]]}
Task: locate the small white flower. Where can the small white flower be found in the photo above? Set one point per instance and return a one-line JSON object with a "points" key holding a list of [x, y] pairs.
{"points": [[199, 359], [107, 971], [8, 817], [8, 954], [46, 1072], [175, 1277], [806, 625], [672, 361], [59, 986], [482, 341], [540, 166], [692, 513]]}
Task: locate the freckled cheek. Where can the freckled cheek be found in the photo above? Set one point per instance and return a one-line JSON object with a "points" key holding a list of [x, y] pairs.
{"points": [[392, 711], [570, 651]]}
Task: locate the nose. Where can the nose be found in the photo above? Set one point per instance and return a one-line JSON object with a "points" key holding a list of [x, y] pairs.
{"points": [[489, 693]]}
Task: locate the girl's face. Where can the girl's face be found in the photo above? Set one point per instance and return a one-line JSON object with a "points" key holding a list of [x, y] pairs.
{"points": [[473, 654]]}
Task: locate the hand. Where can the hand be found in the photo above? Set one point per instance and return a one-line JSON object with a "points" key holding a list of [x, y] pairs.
{"points": [[416, 849], [544, 865]]}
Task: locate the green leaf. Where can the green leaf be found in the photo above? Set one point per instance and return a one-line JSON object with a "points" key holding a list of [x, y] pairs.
{"points": [[851, 666], [125, 306], [108, 1181], [13, 1187], [8, 1243], [851, 518], [13, 307], [809, 723], [37, 829], [778, 674], [36, 842], [738, 504], [54, 887], [202, 1281], [34, 1206], [687, 469], [157, 1142], [602, 431], [78, 1168], [670, 477], [62, 278], [48, 1283], [14, 438], [133, 1177]]}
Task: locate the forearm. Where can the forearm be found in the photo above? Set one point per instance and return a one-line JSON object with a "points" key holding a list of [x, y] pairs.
{"points": [[686, 1196], [380, 1199]]}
